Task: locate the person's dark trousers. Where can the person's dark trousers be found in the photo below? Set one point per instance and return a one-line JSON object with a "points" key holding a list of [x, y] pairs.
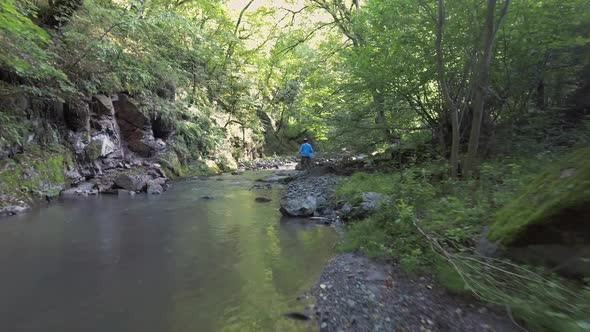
{"points": [[305, 162]]}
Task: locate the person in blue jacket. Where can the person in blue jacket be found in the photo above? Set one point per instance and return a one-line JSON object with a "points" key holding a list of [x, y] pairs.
{"points": [[306, 152]]}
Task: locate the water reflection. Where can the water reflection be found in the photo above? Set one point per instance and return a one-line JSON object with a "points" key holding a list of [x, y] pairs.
{"points": [[159, 263]]}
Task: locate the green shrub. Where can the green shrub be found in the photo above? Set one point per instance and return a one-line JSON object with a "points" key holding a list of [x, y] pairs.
{"points": [[452, 215]]}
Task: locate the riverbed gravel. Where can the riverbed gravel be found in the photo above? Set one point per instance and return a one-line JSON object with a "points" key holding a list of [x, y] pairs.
{"points": [[355, 293]]}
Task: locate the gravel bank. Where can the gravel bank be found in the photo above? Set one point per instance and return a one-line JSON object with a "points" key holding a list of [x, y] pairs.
{"points": [[357, 294]]}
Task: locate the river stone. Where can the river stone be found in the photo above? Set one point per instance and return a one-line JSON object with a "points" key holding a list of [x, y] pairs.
{"points": [[301, 206]]}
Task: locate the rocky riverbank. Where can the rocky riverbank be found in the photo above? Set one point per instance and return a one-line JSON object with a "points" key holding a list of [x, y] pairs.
{"points": [[106, 144], [355, 293]]}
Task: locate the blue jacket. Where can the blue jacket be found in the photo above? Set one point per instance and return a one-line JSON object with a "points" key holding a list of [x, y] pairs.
{"points": [[306, 150]]}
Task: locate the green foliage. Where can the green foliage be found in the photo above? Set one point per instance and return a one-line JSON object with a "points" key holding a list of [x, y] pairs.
{"points": [[564, 186], [435, 224], [12, 129], [37, 174], [24, 44]]}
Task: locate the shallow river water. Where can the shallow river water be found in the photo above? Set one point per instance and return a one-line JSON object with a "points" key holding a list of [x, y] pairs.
{"points": [[174, 262]]}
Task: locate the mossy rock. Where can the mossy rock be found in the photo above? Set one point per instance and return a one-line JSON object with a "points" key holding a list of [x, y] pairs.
{"points": [[553, 209], [226, 163], [36, 174], [93, 151], [171, 164]]}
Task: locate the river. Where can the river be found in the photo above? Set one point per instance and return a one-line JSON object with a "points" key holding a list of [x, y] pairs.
{"points": [[174, 262]]}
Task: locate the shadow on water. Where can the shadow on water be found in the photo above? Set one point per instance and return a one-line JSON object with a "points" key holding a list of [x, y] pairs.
{"points": [[174, 262]]}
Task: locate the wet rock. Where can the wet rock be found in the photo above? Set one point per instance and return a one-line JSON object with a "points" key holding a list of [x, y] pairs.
{"points": [[124, 192], [155, 186], [83, 188], [263, 199], [131, 182], [297, 315], [277, 179], [12, 210], [304, 206]]}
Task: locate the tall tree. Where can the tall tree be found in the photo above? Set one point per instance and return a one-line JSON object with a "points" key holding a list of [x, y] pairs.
{"points": [[481, 87], [448, 102]]}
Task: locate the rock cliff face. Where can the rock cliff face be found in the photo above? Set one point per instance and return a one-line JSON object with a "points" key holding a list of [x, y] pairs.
{"points": [[104, 144], [110, 135], [85, 145]]}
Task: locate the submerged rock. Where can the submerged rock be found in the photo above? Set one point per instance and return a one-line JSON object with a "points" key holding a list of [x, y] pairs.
{"points": [[278, 179]]}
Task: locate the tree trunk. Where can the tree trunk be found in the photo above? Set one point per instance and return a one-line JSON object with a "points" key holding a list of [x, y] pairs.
{"points": [[379, 100], [448, 102], [482, 81]]}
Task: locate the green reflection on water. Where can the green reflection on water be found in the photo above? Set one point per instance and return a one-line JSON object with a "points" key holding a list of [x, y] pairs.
{"points": [[173, 262]]}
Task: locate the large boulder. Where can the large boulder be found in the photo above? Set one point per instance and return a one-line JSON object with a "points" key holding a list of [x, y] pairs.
{"points": [[132, 182], [299, 206], [135, 127], [127, 110], [103, 105], [549, 223]]}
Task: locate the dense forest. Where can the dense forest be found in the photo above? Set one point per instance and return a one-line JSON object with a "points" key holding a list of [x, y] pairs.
{"points": [[471, 116]]}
